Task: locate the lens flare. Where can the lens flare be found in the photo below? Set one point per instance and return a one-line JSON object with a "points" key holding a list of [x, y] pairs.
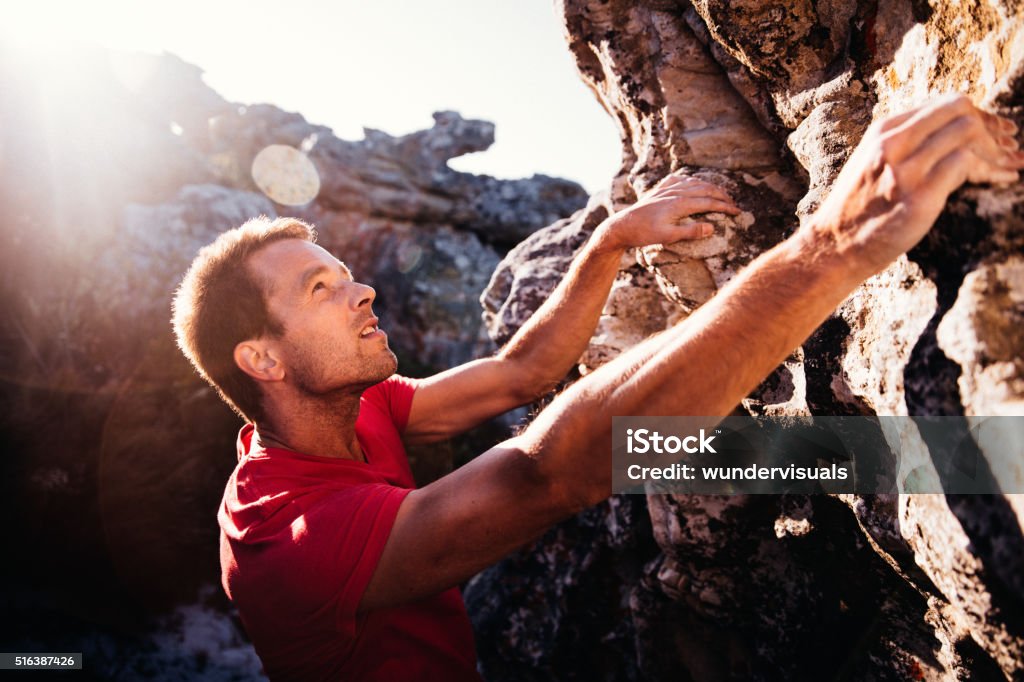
{"points": [[408, 257], [286, 175]]}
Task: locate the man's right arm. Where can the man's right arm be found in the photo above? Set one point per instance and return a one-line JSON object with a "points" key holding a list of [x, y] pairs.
{"points": [[884, 201]]}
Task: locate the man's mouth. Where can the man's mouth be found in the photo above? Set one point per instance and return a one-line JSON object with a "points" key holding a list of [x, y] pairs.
{"points": [[370, 329]]}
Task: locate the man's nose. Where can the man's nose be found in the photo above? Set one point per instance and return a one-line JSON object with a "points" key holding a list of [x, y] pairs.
{"points": [[362, 295]]}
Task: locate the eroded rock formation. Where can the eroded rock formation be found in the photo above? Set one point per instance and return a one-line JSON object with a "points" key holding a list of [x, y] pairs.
{"points": [[769, 98]]}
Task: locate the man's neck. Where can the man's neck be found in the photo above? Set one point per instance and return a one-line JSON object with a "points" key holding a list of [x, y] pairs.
{"points": [[322, 425]]}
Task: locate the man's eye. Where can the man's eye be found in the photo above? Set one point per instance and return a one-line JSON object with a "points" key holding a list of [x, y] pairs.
{"points": [[318, 286]]}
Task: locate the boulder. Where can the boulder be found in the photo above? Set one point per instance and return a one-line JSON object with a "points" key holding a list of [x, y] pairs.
{"points": [[768, 99]]}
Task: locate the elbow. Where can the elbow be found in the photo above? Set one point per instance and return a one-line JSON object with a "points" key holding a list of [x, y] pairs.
{"points": [[530, 377], [573, 494], [582, 496], [536, 389], [571, 484], [564, 497], [532, 384]]}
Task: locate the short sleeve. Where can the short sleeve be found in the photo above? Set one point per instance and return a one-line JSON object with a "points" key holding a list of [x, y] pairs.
{"points": [[342, 536], [395, 395]]}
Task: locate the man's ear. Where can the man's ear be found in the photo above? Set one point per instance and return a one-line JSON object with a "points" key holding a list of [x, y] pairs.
{"points": [[256, 358]]}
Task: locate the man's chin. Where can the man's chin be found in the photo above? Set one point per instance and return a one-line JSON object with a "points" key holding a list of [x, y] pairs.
{"points": [[367, 372], [382, 369], [391, 365]]}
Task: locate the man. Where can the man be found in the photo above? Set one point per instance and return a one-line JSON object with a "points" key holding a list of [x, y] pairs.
{"points": [[339, 568]]}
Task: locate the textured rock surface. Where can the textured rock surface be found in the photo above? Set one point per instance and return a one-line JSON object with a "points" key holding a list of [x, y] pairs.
{"points": [[769, 98], [572, 596]]}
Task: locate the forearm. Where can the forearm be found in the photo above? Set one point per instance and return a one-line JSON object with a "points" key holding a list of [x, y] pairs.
{"points": [[548, 345], [554, 338], [545, 348], [884, 201], [704, 366]]}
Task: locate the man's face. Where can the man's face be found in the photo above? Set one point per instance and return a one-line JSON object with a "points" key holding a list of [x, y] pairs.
{"points": [[330, 338]]}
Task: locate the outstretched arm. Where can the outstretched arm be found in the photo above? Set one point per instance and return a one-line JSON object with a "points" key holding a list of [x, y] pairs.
{"points": [[884, 201], [544, 350]]}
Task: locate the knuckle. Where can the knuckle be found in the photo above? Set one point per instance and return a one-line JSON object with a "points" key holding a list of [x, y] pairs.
{"points": [[888, 144], [902, 178], [959, 128], [970, 124], [961, 157]]}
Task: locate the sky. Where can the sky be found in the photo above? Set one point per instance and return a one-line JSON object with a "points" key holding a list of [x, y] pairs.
{"points": [[384, 64]]}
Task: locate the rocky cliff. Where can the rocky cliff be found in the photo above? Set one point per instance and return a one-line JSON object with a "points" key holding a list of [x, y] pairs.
{"points": [[116, 169], [768, 99]]}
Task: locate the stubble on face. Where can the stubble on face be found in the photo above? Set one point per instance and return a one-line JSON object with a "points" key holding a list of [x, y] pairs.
{"points": [[318, 371], [323, 352]]}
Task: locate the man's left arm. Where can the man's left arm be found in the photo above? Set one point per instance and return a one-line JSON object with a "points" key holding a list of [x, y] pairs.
{"points": [[545, 348]]}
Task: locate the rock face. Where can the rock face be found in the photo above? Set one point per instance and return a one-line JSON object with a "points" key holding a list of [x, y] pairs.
{"points": [[116, 169], [768, 99]]}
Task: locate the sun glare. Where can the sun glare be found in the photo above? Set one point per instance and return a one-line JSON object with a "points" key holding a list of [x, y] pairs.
{"points": [[386, 65]]}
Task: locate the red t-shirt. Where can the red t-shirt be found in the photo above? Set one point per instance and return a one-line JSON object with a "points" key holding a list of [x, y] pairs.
{"points": [[300, 538]]}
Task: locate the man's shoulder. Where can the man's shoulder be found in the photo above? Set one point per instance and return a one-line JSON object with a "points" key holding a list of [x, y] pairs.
{"points": [[392, 397], [395, 385]]}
